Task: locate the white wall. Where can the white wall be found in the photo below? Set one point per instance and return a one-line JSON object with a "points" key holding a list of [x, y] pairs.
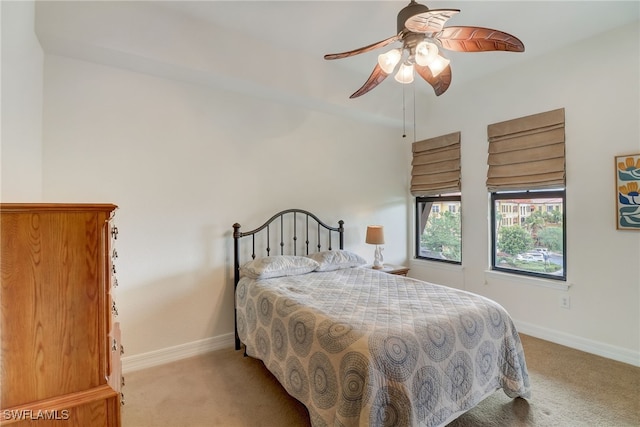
{"points": [[601, 97], [21, 89], [184, 162], [186, 149]]}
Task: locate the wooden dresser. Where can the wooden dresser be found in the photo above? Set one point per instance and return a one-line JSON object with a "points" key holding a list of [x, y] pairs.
{"points": [[60, 353]]}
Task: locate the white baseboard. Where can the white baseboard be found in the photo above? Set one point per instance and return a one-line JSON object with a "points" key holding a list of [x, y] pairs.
{"points": [[175, 353], [594, 347]]}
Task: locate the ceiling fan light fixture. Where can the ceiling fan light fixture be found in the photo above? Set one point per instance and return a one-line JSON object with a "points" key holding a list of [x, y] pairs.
{"points": [[438, 64], [405, 74], [426, 53], [389, 60], [423, 34]]}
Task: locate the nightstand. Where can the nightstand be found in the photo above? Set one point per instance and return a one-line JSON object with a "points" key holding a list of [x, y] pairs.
{"points": [[399, 270]]}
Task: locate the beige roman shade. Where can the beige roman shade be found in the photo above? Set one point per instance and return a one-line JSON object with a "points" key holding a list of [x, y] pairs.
{"points": [[527, 153], [436, 165]]}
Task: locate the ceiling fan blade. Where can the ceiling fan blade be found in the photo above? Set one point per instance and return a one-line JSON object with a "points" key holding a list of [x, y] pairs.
{"points": [[431, 21], [440, 83], [362, 49], [377, 76], [478, 39]]}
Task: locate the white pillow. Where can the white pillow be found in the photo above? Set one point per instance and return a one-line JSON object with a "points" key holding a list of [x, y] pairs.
{"points": [[334, 260], [278, 265]]}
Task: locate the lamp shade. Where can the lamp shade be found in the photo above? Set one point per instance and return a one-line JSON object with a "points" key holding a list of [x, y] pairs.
{"points": [[389, 60], [375, 235], [438, 64], [405, 74], [425, 53]]}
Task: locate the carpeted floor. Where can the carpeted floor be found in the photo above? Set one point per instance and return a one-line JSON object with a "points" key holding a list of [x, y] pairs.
{"points": [[222, 388]]}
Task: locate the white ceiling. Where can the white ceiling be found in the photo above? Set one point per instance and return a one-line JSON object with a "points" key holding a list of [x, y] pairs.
{"points": [[321, 27], [125, 34]]}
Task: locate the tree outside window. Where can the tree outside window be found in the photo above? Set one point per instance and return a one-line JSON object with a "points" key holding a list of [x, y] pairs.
{"points": [[439, 228], [529, 233]]}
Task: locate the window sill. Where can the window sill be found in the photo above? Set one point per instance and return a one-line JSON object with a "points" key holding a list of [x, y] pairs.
{"points": [[435, 265], [525, 280]]}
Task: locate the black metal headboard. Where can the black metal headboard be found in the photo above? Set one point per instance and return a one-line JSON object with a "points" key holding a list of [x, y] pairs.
{"points": [[287, 226]]}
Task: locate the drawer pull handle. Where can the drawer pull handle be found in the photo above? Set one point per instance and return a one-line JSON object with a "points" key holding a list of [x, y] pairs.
{"points": [[121, 350], [114, 309], [114, 346], [114, 254], [114, 232]]}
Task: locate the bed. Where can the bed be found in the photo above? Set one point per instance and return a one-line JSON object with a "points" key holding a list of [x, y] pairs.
{"points": [[360, 347]]}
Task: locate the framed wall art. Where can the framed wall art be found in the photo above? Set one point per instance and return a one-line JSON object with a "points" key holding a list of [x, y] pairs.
{"points": [[628, 192]]}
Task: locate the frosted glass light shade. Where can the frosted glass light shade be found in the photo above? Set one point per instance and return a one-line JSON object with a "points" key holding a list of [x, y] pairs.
{"points": [[389, 60], [426, 53], [405, 74], [438, 64]]}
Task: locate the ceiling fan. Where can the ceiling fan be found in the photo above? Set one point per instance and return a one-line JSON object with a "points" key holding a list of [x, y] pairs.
{"points": [[422, 33]]}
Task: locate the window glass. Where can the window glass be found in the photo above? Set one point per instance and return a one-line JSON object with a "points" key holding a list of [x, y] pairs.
{"points": [[439, 228], [528, 233]]}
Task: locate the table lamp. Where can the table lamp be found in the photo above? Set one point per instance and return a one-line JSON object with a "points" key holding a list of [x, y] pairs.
{"points": [[375, 236]]}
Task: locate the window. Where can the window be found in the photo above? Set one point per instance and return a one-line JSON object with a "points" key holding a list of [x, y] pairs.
{"points": [[439, 228], [526, 180], [531, 239], [435, 182]]}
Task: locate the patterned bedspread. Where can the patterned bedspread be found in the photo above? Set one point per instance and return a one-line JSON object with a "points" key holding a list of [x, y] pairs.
{"points": [[364, 348]]}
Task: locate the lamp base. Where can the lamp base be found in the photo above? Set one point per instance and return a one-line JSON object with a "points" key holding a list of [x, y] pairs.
{"points": [[377, 267], [378, 258]]}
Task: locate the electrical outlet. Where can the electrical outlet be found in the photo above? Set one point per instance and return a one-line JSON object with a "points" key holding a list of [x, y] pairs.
{"points": [[565, 301]]}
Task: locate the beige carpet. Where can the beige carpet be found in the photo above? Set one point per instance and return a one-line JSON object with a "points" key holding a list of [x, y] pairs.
{"points": [[569, 388]]}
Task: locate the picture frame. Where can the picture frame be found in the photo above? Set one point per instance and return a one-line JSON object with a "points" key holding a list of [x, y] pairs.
{"points": [[627, 192]]}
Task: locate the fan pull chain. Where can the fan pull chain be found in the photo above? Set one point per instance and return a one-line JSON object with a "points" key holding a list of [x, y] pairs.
{"points": [[413, 86], [404, 115]]}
